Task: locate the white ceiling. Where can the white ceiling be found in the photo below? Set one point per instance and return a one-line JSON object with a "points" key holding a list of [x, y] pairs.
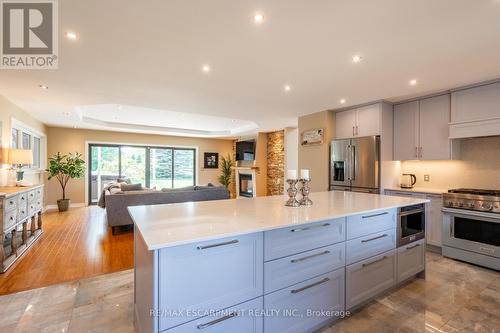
{"points": [[148, 54]]}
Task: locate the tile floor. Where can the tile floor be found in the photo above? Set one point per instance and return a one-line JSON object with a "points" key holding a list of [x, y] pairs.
{"points": [[455, 297]]}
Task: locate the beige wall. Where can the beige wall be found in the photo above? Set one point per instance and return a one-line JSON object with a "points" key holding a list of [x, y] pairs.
{"points": [[478, 168], [316, 157], [66, 140], [9, 111]]}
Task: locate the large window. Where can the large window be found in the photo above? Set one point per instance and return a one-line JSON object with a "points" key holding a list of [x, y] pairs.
{"points": [[26, 139], [160, 167]]}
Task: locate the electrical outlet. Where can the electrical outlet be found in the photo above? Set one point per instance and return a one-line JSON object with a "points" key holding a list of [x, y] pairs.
{"points": [[426, 178]]}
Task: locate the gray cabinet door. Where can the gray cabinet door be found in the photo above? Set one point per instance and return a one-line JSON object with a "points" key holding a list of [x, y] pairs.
{"points": [[368, 278], [298, 308], [209, 275], [411, 260], [434, 128], [284, 242], [406, 131], [345, 124], [434, 219], [244, 318], [284, 272]]}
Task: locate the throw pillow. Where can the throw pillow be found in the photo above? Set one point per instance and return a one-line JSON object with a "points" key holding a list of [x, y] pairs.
{"points": [[131, 187]]}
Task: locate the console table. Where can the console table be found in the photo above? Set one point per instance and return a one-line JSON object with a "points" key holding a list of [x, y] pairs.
{"points": [[20, 221]]}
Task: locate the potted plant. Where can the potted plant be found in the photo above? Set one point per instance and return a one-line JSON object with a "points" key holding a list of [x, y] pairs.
{"points": [[64, 168], [226, 171]]}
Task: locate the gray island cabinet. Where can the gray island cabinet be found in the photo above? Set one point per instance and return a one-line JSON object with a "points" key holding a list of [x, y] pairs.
{"points": [[253, 265]]}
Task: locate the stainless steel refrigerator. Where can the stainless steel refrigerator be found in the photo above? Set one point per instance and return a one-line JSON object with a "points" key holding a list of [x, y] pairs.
{"points": [[355, 164]]}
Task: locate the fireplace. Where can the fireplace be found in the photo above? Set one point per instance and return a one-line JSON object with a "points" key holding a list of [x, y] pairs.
{"points": [[246, 185]]}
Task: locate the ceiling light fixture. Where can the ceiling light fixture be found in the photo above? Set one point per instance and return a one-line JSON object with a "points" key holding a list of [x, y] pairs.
{"points": [[413, 82], [44, 87], [258, 18], [206, 68], [71, 35], [342, 101], [287, 88], [356, 58]]}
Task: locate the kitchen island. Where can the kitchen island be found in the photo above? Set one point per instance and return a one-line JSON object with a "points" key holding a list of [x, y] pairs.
{"points": [[254, 265]]}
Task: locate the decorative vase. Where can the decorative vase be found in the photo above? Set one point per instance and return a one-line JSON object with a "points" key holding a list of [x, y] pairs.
{"points": [[63, 205]]}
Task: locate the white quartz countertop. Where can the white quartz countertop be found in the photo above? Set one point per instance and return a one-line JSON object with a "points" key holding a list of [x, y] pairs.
{"points": [[419, 190], [175, 224]]}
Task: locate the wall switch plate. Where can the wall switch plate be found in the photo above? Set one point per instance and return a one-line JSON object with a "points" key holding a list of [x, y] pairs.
{"points": [[426, 178]]}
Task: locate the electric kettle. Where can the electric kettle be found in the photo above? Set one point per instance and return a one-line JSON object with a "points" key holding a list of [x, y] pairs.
{"points": [[408, 180]]}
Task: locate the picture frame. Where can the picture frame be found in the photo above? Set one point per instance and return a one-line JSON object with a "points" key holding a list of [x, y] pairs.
{"points": [[312, 137], [211, 160]]}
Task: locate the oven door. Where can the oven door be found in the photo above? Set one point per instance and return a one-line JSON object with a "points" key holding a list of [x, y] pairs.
{"points": [[472, 231]]}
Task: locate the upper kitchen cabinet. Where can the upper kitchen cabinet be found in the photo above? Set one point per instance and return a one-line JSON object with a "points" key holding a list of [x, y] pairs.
{"points": [[421, 130], [434, 128], [363, 121], [475, 111], [345, 124], [406, 129]]}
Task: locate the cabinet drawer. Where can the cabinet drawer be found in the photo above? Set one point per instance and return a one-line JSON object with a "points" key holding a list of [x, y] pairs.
{"points": [[370, 245], [31, 195], [39, 192], [368, 278], [244, 318], [38, 203], [411, 259], [209, 275], [22, 208], [9, 219], [31, 208], [292, 306], [287, 271], [369, 223], [10, 203], [284, 242]]}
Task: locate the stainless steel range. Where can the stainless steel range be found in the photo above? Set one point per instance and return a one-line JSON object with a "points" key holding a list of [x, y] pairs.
{"points": [[471, 226]]}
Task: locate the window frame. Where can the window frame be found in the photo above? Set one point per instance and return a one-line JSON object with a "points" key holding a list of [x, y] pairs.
{"points": [[20, 129], [90, 145]]}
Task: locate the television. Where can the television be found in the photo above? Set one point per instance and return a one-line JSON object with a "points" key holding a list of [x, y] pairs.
{"points": [[245, 150]]}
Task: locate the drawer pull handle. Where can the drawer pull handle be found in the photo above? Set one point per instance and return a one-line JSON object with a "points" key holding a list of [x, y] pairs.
{"points": [[412, 247], [293, 261], [374, 262], [216, 321], [374, 215], [295, 291], [204, 247], [374, 238], [11, 202], [309, 228]]}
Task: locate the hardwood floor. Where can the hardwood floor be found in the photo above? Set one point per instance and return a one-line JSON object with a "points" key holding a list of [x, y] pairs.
{"points": [[75, 245]]}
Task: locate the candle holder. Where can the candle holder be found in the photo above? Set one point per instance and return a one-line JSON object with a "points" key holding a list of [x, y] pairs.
{"points": [[305, 201], [292, 193]]}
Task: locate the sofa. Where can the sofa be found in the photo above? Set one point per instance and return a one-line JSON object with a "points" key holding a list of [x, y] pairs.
{"points": [[118, 201]]}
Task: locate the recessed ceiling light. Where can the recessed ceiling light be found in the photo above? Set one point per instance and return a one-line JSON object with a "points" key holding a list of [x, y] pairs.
{"points": [[356, 58], [287, 88], [342, 101], [258, 18], [44, 87], [413, 82], [205, 68], [71, 35]]}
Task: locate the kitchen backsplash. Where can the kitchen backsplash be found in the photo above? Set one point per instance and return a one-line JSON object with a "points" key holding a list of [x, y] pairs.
{"points": [[478, 168]]}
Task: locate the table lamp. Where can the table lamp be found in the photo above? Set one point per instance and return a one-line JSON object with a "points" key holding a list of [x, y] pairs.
{"points": [[20, 157]]}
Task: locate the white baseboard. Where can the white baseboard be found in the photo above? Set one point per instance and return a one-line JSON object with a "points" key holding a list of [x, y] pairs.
{"points": [[71, 205]]}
